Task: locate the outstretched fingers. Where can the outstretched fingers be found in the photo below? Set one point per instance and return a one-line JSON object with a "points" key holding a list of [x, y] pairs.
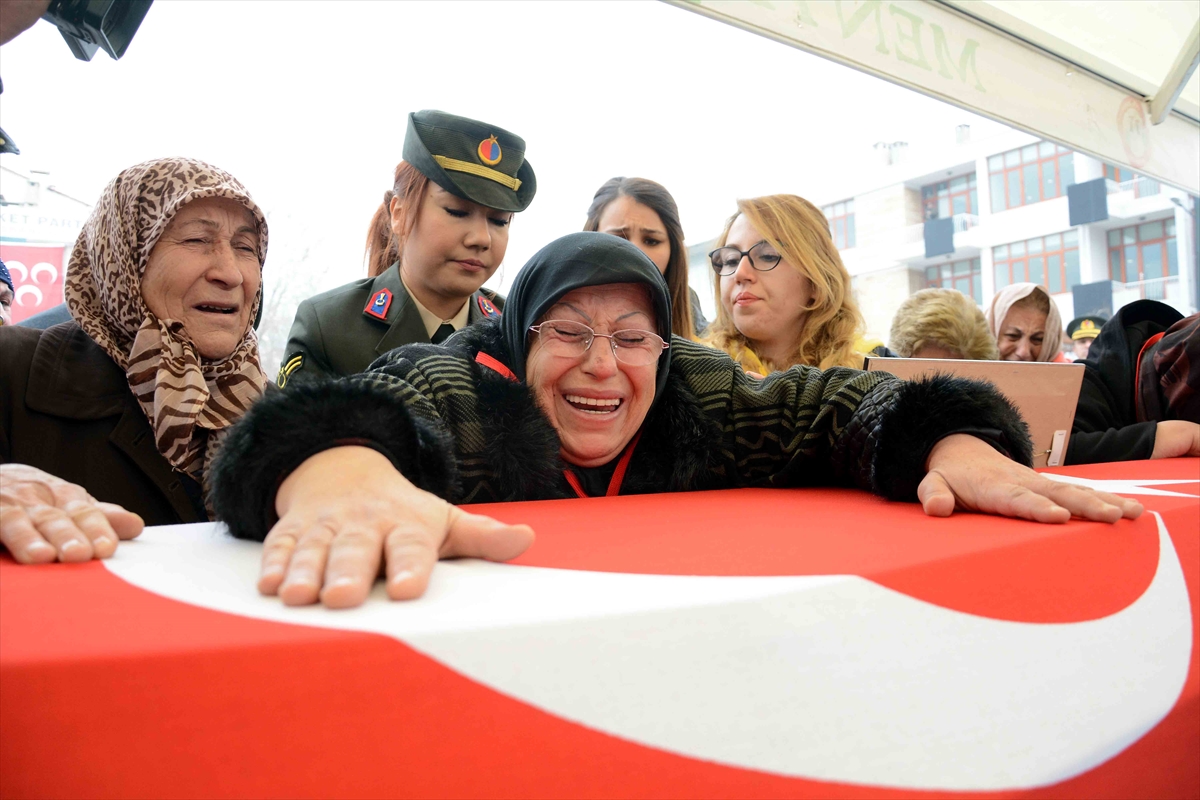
{"points": [[352, 567], [1088, 503], [411, 553], [19, 534]]}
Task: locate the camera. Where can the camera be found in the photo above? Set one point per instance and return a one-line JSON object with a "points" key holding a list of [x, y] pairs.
{"points": [[91, 25]]}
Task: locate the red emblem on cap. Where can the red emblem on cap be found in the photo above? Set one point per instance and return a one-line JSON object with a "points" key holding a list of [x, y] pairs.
{"points": [[379, 304], [487, 308], [489, 151]]}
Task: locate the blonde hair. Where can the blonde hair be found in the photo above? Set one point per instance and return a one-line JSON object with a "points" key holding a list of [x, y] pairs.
{"points": [[833, 323], [945, 317]]}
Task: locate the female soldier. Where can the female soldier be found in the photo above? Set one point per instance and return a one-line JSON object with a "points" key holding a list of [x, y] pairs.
{"points": [[770, 319], [440, 232], [644, 212]]}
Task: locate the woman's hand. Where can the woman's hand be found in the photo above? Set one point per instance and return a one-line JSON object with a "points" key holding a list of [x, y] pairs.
{"points": [[1175, 438], [346, 510], [43, 518], [967, 474]]}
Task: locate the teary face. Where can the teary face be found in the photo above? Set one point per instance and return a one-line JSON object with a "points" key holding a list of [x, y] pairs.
{"points": [[204, 272], [1022, 334], [595, 402]]}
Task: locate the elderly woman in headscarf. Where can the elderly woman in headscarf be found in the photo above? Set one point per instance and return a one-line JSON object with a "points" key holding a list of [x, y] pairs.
{"points": [[1025, 321], [577, 392], [109, 421]]}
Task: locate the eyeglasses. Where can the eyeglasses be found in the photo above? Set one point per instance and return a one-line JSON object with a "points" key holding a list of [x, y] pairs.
{"points": [[762, 257], [562, 337]]}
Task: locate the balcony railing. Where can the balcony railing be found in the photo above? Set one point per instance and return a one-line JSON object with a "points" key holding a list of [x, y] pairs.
{"points": [[1166, 290], [964, 222], [1141, 187]]}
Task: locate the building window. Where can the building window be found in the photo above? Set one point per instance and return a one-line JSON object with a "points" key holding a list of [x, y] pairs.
{"points": [[841, 223], [1143, 252], [1118, 174], [1052, 261], [960, 275], [1142, 186], [954, 196], [1030, 174]]}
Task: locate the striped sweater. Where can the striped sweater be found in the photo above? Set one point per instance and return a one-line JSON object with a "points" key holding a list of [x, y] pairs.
{"points": [[470, 435]]}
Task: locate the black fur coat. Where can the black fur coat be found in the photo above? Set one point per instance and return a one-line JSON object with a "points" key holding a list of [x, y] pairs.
{"points": [[470, 435]]}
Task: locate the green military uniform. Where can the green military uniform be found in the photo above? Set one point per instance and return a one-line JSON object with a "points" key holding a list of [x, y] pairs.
{"points": [[336, 333], [342, 331]]}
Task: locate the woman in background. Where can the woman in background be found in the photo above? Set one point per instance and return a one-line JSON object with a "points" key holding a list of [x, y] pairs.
{"points": [[941, 323], [644, 212], [440, 232], [1026, 323], [783, 295]]}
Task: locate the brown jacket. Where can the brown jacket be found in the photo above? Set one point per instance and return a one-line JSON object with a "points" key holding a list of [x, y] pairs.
{"points": [[66, 408]]}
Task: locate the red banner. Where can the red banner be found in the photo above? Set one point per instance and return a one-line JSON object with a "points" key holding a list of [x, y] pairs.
{"points": [[37, 271]]}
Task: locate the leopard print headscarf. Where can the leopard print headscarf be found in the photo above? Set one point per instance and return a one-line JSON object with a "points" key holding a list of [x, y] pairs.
{"points": [[189, 401]]}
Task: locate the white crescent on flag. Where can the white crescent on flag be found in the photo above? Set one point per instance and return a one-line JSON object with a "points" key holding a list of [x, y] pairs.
{"points": [[824, 677]]}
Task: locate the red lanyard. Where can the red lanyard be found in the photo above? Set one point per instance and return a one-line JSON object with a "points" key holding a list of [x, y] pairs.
{"points": [[614, 485], [495, 365]]}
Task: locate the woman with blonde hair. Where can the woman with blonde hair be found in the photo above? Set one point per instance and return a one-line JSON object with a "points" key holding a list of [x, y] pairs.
{"points": [[941, 323], [783, 294]]}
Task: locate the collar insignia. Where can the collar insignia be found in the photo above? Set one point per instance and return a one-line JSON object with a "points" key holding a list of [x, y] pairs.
{"points": [[379, 304], [487, 308]]}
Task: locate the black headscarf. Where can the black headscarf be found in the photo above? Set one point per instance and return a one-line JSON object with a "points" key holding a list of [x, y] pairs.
{"points": [[573, 262]]}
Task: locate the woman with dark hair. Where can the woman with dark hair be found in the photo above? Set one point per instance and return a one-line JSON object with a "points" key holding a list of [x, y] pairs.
{"points": [[577, 392], [644, 212], [440, 232]]}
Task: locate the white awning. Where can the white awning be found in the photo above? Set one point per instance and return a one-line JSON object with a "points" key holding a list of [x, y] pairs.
{"points": [[1116, 79]]}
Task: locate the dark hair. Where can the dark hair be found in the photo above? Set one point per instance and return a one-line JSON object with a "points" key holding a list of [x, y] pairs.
{"points": [[383, 246], [655, 197]]}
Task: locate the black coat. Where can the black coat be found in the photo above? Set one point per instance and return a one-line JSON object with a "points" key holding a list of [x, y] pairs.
{"points": [[1106, 426], [66, 408], [468, 434]]}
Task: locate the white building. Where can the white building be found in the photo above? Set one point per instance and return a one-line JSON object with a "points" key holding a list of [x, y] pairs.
{"points": [[1007, 198]]}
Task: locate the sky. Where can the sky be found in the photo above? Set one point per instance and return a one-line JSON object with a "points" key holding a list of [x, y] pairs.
{"points": [[306, 103]]}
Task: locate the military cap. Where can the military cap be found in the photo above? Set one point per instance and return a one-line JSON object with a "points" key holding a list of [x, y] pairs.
{"points": [[470, 159], [1086, 327]]}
